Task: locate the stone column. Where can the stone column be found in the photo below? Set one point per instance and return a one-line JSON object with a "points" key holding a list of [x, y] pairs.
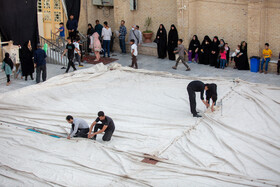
{"points": [[183, 20], [256, 25]]}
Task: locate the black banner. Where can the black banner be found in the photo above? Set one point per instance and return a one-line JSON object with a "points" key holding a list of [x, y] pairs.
{"points": [[18, 21], [73, 8]]}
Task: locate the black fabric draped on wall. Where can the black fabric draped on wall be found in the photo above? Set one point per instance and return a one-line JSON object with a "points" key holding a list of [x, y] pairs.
{"points": [[18, 21], [73, 7]]}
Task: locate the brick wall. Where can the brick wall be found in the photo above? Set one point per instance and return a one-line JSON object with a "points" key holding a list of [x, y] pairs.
{"points": [[272, 26], [227, 20], [255, 21], [161, 11], [89, 13]]}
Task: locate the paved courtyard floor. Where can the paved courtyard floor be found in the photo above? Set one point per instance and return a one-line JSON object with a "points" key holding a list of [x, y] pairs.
{"points": [[155, 64]]}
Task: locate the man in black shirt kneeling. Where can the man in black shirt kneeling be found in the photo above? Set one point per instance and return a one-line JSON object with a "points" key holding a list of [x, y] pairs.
{"points": [[107, 126]]}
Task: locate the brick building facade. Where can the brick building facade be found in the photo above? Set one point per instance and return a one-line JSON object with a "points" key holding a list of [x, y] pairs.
{"points": [[255, 21]]}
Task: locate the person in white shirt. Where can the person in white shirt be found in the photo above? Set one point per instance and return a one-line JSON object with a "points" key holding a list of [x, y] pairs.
{"points": [[79, 128], [134, 53], [106, 35], [77, 53]]}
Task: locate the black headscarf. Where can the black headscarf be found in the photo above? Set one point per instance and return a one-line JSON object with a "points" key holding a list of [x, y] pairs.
{"points": [[173, 33], [194, 44], [243, 49], [215, 45], [206, 38], [90, 30], [8, 61], [163, 34], [221, 45]]}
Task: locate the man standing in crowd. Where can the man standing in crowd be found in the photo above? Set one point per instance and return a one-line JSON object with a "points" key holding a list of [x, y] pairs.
{"points": [[140, 38], [79, 128], [98, 28], [72, 26], [40, 63], [135, 35], [211, 93], [122, 34], [107, 126], [196, 86]]}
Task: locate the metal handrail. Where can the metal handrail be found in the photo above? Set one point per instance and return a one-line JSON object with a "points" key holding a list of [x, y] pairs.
{"points": [[54, 52], [84, 42], [54, 37]]}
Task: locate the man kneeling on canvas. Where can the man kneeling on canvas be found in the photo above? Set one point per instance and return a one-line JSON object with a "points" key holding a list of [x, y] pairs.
{"points": [[79, 128], [107, 125]]}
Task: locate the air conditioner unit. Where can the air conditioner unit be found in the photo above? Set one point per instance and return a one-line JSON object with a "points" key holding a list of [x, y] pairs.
{"points": [[103, 2]]}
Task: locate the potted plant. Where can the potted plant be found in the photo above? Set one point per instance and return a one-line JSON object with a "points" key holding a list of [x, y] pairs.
{"points": [[148, 33]]}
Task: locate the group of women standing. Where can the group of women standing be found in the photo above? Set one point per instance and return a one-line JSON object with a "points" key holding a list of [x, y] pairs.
{"points": [[164, 45], [208, 52]]}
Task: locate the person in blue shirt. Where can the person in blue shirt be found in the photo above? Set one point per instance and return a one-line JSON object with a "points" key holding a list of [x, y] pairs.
{"points": [[40, 63], [61, 35], [72, 25], [122, 34]]}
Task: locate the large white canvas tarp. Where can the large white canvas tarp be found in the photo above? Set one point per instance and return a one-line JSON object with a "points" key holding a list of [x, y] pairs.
{"points": [[236, 146]]}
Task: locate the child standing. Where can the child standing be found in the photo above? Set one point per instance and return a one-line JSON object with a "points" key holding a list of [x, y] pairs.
{"points": [[70, 48], [77, 52], [7, 66], [95, 45], [267, 53], [61, 35], [223, 59], [134, 53], [181, 50]]}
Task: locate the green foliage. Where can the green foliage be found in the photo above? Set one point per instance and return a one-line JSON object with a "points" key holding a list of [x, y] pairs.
{"points": [[148, 23], [147, 31]]}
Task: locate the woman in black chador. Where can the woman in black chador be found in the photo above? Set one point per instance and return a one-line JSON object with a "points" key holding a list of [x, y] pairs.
{"points": [[172, 42], [162, 41], [241, 59], [26, 55], [214, 52], [205, 50], [194, 49], [90, 32]]}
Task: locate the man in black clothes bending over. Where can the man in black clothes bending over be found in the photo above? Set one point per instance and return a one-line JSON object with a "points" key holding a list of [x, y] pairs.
{"points": [[196, 86], [107, 126], [211, 93]]}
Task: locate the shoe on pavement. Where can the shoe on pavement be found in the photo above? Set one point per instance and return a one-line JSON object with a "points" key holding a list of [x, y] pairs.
{"points": [[188, 69], [197, 116], [174, 67], [265, 72]]}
